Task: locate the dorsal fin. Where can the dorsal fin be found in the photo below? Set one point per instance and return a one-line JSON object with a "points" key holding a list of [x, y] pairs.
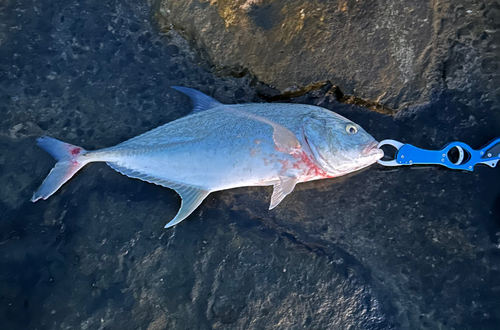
{"points": [[201, 101]]}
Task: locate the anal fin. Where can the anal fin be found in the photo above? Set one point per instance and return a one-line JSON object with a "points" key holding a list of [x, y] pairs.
{"points": [[191, 199], [191, 196]]}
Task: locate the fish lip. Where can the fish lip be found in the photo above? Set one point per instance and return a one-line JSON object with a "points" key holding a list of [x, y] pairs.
{"points": [[372, 146], [372, 152]]}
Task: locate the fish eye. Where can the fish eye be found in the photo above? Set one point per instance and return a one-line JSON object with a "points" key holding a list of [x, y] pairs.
{"points": [[351, 129]]}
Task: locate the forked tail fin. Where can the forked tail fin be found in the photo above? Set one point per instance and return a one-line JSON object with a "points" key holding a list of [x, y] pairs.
{"points": [[69, 161]]}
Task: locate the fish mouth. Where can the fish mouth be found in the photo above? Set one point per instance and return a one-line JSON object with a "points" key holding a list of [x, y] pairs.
{"points": [[371, 150]]}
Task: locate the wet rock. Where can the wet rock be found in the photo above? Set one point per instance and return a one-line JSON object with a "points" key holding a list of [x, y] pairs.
{"points": [[408, 248], [390, 53], [96, 256]]}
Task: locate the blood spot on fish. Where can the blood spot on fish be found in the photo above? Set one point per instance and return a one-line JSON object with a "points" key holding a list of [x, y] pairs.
{"points": [[75, 151], [286, 164], [313, 171]]}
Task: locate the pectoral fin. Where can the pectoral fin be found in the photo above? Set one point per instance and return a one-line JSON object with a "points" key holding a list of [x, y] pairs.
{"points": [[284, 139], [282, 188]]}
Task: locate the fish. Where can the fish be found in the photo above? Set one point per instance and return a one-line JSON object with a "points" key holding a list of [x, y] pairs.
{"points": [[224, 146]]}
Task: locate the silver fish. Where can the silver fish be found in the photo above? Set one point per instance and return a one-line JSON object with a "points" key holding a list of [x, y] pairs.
{"points": [[222, 146]]}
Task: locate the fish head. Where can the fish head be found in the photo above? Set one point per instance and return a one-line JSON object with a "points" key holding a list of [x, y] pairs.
{"points": [[340, 146]]}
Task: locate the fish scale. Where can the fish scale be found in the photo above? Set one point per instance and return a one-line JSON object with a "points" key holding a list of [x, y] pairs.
{"points": [[227, 146]]}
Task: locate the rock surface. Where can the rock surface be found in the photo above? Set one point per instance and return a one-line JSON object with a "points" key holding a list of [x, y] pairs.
{"points": [[392, 53], [407, 248]]}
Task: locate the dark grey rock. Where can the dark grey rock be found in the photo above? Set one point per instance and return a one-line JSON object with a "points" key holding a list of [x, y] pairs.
{"points": [[408, 248]]}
